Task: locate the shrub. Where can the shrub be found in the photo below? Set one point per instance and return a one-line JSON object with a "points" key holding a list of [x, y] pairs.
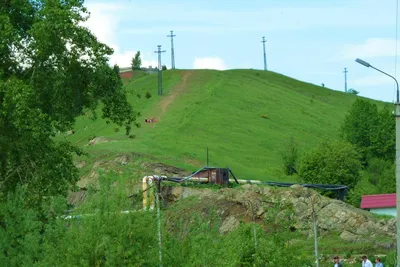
{"points": [[148, 95], [289, 157]]}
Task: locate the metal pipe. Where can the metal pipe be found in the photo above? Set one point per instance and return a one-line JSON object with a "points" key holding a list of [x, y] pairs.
{"points": [[146, 181], [241, 181], [314, 217]]}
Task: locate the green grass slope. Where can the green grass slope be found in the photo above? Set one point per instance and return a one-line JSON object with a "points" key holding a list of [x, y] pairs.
{"points": [[244, 117]]}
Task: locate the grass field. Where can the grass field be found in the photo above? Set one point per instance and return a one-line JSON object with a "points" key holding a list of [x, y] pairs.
{"points": [[244, 117]]}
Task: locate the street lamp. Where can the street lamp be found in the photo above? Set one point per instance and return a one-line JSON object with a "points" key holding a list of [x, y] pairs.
{"points": [[366, 64]]}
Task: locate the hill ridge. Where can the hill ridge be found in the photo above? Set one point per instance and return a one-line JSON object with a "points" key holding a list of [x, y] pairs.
{"points": [[244, 117]]}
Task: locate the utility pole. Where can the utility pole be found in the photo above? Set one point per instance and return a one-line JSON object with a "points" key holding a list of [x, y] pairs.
{"points": [[158, 221], [265, 55], [345, 79], [172, 35], [314, 217], [159, 69]]}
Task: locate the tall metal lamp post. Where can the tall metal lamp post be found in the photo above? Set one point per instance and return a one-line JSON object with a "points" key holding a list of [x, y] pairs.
{"points": [[397, 113]]}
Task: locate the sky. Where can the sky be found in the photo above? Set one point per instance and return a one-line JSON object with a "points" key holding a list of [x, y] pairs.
{"points": [[309, 40]]}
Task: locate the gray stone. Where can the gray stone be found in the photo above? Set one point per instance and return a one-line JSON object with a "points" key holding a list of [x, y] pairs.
{"points": [[229, 224], [347, 236]]}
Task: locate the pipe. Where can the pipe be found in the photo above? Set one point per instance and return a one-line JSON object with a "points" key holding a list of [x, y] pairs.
{"points": [[146, 181], [240, 181], [80, 216]]}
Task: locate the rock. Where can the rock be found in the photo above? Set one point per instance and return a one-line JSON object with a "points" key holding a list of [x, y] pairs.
{"points": [[347, 236], [229, 224], [98, 140], [80, 164], [123, 160], [332, 215], [90, 179], [75, 198]]}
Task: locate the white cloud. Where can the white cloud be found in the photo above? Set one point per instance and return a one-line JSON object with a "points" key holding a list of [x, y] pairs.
{"points": [[103, 23], [373, 47], [214, 63]]}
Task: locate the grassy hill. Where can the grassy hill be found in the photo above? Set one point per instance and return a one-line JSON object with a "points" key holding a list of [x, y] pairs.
{"points": [[244, 117]]}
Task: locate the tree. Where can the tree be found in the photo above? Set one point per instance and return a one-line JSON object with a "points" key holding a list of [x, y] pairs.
{"points": [[116, 69], [289, 157], [331, 162], [164, 67], [359, 126], [136, 61], [52, 70], [383, 136], [353, 91]]}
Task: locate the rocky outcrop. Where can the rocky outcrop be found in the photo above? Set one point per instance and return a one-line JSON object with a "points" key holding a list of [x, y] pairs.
{"points": [[98, 140], [351, 224]]}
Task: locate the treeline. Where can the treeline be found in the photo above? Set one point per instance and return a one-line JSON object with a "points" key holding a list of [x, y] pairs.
{"points": [[363, 158], [103, 236]]}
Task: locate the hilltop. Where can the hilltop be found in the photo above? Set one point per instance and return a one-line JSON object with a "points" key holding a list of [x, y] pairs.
{"points": [[244, 117]]}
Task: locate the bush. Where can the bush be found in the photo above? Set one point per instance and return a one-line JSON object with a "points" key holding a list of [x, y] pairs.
{"points": [[289, 157], [331, 162], [148, 95]]}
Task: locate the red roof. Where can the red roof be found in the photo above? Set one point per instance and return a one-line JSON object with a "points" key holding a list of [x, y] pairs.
{"points": [[378, 201]]}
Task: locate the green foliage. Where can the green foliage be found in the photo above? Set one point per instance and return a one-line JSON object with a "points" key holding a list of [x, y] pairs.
{"points": [[378, 178], [353, 91], [290, 156], [199, 242], [359, 125], [363, 187], [164, 67], [136, 61], [116, 69], [387, 180], [331, 162], [372, 132], [101, 236], [26, 234], [148, 94], [383, 137], [378, 172], [51, 71]]}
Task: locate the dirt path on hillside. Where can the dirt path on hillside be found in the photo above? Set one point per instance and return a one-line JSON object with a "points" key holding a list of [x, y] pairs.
{"points": [[169, 99]]}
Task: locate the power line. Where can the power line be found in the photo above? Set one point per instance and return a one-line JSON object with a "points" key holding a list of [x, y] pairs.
{"points": [[265, 55], [159, 69], [172, 35], [345, 79]]}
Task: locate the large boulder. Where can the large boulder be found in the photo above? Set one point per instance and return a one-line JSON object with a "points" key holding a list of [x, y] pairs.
{"points": [[333, 215]]}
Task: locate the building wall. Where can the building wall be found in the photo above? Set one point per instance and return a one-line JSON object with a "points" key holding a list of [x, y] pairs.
{"points": [[387, 211]]}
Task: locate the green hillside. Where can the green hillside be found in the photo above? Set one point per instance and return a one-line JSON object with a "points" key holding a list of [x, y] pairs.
{"points": [[245, 117]]}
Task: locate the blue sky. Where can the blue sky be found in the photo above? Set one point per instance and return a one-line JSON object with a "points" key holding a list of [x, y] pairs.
{"points": [[310, 40]]}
